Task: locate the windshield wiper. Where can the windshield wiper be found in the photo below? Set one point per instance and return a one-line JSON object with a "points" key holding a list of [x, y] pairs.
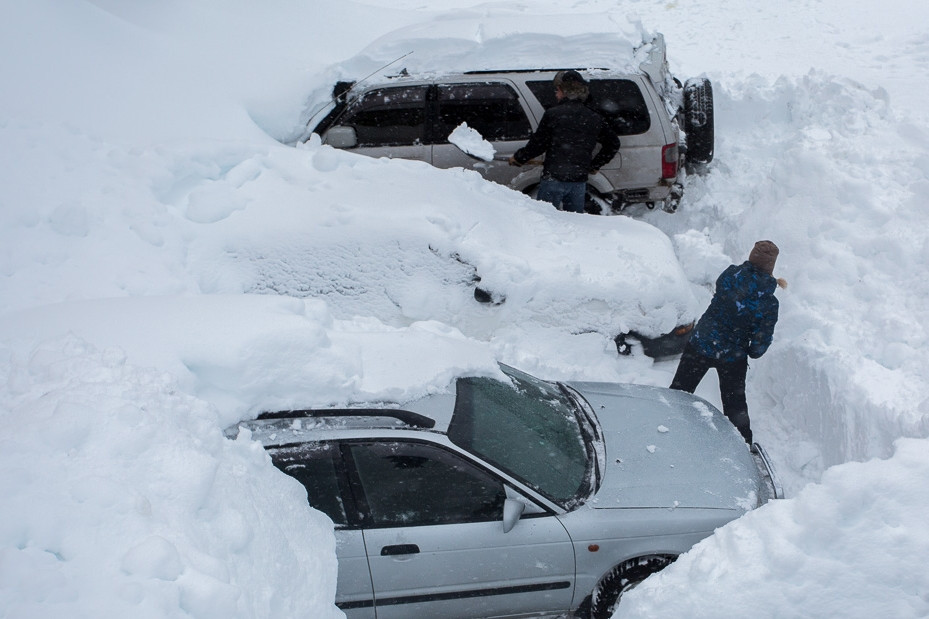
{"points": [[587, 420]]}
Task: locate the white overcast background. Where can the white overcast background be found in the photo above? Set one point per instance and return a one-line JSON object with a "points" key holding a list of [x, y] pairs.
{"points": [[144, 184]]}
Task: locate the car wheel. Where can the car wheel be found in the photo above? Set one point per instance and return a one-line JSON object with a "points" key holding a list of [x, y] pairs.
{"points": [[606, 595], [698, 123]]}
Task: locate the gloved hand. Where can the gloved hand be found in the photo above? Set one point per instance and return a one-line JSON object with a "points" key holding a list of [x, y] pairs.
{"points": [[512, 161]]}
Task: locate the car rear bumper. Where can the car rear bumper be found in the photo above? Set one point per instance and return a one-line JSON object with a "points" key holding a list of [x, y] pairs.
{"points": [[665, 195]]}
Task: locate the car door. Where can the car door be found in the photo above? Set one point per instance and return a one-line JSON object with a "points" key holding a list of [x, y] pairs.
{"points": [[389, 122], [494, 110], [435, 540], [318, 466]]}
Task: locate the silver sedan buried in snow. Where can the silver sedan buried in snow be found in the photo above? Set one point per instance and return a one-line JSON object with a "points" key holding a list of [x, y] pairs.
{"points": [[515, 496]]}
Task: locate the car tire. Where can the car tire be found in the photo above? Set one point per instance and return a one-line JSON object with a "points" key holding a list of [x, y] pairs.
{"points": [[609, 591], [698, 123]]}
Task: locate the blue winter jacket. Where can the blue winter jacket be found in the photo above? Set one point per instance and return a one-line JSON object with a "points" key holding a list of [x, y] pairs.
{"points": [[741, 317]]}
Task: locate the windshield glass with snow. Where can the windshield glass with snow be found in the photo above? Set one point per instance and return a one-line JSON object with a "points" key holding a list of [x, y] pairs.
{"points": [[527, 428]]}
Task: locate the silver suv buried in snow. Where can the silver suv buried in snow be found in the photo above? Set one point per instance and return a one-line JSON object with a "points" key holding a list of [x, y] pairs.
{"points": [[663, 127], [514, 496]]}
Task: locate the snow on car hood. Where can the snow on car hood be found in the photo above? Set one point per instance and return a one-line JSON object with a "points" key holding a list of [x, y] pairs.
{"points": [[668, 449], [419, 256]]}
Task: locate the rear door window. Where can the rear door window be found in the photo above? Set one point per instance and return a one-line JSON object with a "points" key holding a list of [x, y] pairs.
{"points": [[492, 109], [316, 466], [393, 116], [619, 101]]}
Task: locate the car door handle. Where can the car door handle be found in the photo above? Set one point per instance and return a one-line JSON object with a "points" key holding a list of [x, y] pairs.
{"points": [[399, 549]]}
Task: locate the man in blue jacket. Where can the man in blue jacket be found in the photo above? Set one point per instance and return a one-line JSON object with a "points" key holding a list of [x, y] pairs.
{"points": [[567, 135], [738, 324]]}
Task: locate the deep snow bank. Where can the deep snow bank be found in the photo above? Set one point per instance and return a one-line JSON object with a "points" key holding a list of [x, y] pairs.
{"points": [[845, 547], [825, 168], [122, 498]]}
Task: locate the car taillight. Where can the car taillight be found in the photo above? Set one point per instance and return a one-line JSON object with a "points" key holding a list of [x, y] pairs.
{"points": [[669, 162]]}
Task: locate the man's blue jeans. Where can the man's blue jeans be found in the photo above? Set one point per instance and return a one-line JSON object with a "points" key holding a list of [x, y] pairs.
{"points": [[565, 196]]}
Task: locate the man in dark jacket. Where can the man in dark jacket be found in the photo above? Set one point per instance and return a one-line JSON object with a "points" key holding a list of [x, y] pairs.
{"points": [[739, 323], [567, 135]]}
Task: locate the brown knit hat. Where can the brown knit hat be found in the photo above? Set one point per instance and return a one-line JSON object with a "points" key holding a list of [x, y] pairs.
{"points": [[763, 255]]}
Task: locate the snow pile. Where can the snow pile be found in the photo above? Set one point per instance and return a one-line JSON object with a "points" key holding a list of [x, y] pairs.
{"points": [[825, 168], [121, 497], [247, 354], [803, 545], [287, 225], [314, 221]]}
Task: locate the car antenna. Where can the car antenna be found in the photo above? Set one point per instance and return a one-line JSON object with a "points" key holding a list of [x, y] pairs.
{"points": [[395, 61], [344, 94]]}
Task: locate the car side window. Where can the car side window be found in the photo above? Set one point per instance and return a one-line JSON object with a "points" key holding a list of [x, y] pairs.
{"points": [[389, 116], [314, 466], [620, 101], [492, 109], [415, 484]]}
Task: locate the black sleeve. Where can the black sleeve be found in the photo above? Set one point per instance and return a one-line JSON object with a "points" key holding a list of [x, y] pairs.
{"points": [[609, 146], [538, 143]]}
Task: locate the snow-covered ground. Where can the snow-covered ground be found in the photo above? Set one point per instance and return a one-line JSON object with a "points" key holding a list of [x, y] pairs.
{"points": [[143, 182]]}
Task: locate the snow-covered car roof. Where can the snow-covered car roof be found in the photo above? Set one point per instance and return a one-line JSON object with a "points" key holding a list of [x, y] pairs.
{"points": [[419, 256], [499, 40], [495, 40]]}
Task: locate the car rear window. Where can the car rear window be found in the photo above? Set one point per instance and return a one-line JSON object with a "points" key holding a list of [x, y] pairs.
{"points": [[620, 101]]}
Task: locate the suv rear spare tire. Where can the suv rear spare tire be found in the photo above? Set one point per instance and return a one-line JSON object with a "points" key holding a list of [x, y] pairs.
{"points": [[698, 122]]}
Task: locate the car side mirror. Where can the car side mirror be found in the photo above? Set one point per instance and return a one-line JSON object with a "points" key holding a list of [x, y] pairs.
{"points": [[341, 137], [512, 510]]}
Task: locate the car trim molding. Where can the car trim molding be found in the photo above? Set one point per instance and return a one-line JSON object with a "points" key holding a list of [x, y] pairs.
{"points": [[355, 604], [456, 595]]}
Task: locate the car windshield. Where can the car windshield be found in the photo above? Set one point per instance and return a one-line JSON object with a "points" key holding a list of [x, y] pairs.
{"points": [[528, 428]]}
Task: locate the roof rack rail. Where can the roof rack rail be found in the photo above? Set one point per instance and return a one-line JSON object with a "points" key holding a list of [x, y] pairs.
{"points": [[408, 417], [537, 70]]}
